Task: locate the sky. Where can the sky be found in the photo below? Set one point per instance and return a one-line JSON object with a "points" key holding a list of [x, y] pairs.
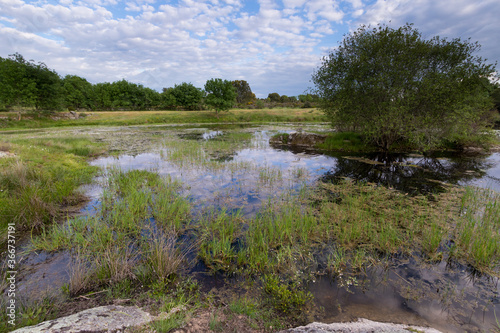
{"points": [[274, 45]]}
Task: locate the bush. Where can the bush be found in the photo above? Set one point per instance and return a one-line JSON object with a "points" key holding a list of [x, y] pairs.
{"points": [[392, 85]]}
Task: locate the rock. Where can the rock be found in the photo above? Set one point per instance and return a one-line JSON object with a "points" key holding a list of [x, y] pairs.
{"points": [[6, 154], [298, 139], [361, 326], [109, 318], [495, 149]]}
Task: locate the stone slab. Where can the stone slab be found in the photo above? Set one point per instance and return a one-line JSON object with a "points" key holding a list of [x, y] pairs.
{"points": [[360, 326], [110, 318]]}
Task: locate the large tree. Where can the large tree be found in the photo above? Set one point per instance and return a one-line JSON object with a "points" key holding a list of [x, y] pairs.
{"points": [[27, 84], [187, 95], [391, 84], [221, 94], [15, 87], [244, 94], [274, 97], [78, 92]]}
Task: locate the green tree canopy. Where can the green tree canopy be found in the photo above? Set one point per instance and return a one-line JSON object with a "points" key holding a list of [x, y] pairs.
{"points": [[102, 96], [391, 84], [274, 97], [48, 86], [308, 98], [221, 94], [244, 94], [78, 92], [168, 99], [187, 95], [15, 88], [495, 94], [25, 83]]}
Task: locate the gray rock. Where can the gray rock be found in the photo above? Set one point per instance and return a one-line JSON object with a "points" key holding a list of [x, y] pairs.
{"points": [[361, 326], [109, 318]]}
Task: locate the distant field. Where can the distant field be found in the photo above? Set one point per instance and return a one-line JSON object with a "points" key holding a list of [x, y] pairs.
{"points": [[9, 119]]}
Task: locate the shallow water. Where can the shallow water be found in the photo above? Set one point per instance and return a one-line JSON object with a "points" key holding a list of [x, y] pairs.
{"points": [[447, 298], [405, 172], [247, 175]]}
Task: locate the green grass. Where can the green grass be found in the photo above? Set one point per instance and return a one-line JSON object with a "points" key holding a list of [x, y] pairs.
{"points": [[245, 306], [205, 154], [41, 179], [29, 311], [169, 323], [484, 140], [269, 175], [219, 230], [287, 297], [163, 256], [476, 234], [257, 315], [176, 305], [119, 118], [345, 141], [118, 240], [135, 240]]}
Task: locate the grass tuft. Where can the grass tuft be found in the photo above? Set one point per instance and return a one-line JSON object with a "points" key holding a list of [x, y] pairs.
{"points": [[164, 258]]}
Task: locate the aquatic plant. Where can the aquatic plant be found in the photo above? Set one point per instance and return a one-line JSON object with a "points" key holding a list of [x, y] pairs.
{"points": [[476, 232], [287, 297], [116, 241], [219, 231], [163, 256]]}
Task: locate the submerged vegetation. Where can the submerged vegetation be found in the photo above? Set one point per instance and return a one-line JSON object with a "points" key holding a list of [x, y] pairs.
{"points": [[148, 237], [125, 241]]}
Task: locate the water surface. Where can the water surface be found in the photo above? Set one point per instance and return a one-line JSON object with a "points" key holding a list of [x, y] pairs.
{"points": [[245, 174]]}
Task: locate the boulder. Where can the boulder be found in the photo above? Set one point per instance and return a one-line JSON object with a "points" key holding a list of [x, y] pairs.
{"points": [[109, 318], [361, 326]]}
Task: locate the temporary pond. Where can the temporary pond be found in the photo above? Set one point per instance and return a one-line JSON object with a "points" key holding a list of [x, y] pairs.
{"points": [[234, 168]]}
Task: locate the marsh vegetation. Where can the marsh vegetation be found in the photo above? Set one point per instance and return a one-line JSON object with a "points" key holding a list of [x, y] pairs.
{"points": [[215, 219]]}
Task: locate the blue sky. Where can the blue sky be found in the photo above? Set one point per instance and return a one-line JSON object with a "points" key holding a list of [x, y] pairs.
{"points": [[273, 45]]}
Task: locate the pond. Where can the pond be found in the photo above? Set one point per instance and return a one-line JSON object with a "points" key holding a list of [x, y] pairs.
{"points": [[235, 168], [252, 171]]}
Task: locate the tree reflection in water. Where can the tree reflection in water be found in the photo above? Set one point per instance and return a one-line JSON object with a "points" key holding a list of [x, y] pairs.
{"points": [[409, 173]]}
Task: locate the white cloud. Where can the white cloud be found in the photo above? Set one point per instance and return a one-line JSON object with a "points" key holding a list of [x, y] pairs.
{"points": [[275, 47], [327, 9], [132, 7], [464, 19], [294, 3]]}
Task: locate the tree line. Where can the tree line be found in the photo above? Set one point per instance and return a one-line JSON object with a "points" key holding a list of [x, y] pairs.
{"points": [[25, 84]]}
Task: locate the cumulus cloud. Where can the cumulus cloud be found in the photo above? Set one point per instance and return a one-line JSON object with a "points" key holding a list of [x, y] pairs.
{"points": [[274, 45], [464, 19]]}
